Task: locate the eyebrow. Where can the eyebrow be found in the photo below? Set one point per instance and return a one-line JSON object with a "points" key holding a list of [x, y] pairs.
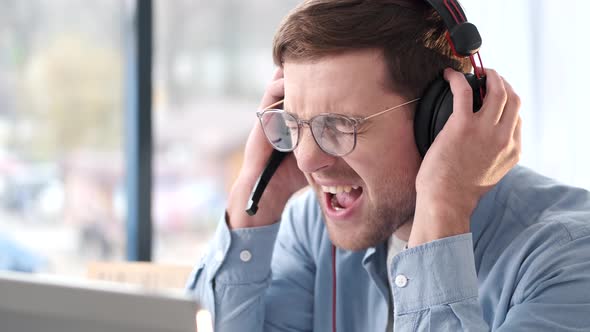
{"points": [[347, 114]]}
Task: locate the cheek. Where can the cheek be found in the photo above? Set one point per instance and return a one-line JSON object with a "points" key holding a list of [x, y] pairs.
{"points": [[392, 155]]}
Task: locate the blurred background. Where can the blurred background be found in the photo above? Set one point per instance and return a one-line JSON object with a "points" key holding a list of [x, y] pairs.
{"points": [[64, 89]]}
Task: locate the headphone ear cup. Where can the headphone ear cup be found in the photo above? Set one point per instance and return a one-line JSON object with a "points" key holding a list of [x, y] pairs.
{"points": [[435, 108], [432, 112]]}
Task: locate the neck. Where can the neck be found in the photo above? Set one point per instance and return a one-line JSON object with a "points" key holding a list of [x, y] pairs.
{"points": [[403, 232]]}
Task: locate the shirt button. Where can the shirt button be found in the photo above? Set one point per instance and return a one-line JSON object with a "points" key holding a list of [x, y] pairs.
{"points": [[245, 255], [219, 255], [401, 281]]}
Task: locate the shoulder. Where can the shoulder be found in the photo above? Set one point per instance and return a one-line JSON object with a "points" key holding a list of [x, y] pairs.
{"points": [[530, 220], [535, 200]]}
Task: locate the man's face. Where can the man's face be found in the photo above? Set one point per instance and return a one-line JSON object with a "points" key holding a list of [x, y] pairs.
{"points": [[380, 173]]}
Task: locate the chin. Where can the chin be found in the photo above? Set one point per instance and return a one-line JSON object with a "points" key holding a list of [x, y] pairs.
{"points": [[371, 224], [361, 237]]}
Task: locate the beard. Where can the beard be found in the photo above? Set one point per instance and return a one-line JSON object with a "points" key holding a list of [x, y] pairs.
{"points": [[388, 208]]}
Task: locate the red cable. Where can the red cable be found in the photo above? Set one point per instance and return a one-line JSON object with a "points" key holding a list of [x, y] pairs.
{"points": [[479, 73], [475, 70], [333, 288], [451, 11], [458, 10], [450, 41], [483, 70]]}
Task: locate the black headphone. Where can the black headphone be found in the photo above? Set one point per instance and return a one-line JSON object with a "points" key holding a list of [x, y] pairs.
{"points": [[436, 105]]}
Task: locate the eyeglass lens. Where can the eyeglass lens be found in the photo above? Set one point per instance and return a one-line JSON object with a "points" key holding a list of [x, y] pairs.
{"points": [[334, 134]]}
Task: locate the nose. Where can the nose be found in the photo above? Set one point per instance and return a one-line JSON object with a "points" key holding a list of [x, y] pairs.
{"points": [[310, 157]]}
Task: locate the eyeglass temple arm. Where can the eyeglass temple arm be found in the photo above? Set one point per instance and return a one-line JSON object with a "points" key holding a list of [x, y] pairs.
{"points": [[269, 170], [273, 104], [391, 109]]}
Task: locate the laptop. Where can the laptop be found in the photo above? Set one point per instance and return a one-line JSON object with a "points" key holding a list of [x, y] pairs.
{"points": [[30, 303]]}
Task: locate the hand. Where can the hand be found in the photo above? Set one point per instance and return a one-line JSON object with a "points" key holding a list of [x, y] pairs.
{"points": [[470, 155], [285, 182]]}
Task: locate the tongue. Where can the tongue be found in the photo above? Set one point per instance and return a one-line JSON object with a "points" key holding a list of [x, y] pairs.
{"points": [[345, 200]]}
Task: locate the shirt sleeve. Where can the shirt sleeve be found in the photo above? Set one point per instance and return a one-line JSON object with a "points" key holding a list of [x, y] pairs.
{"points": [[435, 287], [231, 279], [251, 281]]}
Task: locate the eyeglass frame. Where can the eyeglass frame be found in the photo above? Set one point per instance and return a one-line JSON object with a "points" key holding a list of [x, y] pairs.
{"points": [[356, 122]]}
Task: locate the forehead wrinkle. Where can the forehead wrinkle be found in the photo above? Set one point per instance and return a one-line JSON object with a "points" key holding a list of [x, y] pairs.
{"points": [[305, 103], [327, 110], [338, 84], [305, 110]]}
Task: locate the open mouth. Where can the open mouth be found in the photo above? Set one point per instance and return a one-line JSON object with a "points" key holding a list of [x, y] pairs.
{"points": [[342, 198]]}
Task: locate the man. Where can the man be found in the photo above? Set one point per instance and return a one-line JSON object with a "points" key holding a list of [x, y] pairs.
{"points": [[384, 240]]}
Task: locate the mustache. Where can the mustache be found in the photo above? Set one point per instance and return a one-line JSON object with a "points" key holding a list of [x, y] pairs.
{"points": [[348, 175]]}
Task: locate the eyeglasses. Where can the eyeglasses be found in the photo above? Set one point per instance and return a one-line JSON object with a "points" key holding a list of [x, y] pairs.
{"points": [[334, 133]]}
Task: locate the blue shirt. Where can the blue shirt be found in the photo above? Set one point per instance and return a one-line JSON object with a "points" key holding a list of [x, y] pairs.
{"points": [[525, 266]]}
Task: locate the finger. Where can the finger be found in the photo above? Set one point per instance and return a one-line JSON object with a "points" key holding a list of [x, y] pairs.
{"points": [[258, 138], [496, 96], [462, 93], [518, 130], [510, 116], [274, 92], [278, 74], [518, 137]]}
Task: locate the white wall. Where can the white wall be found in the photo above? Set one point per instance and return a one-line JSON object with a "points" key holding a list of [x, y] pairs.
{"points": [[541, 48]]}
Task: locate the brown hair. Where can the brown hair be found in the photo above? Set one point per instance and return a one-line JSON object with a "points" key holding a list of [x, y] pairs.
{"points": [[409, 32]]}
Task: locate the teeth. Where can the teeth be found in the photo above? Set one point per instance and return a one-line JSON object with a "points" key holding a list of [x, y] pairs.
{"points": [[338, 189]]}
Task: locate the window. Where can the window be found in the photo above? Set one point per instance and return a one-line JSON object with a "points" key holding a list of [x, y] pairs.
{"points": [[61, 159], [213, 60], [62, 91], [538, 46]]}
